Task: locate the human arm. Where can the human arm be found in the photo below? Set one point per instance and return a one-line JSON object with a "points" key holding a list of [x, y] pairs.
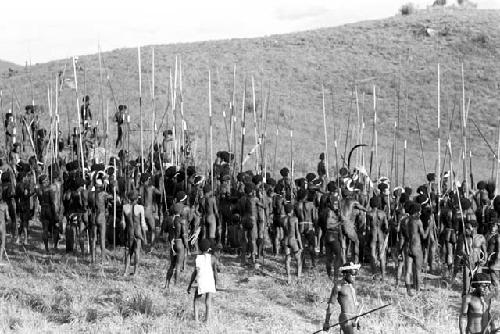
{"points": [[331, 299], [297, 233], [463, 314], [122, 219], [357, 205], [215, 208], [385, 224], [7, 216]]}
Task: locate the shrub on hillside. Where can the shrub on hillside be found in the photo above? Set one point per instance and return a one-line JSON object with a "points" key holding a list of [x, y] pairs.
{"points": [[439, 3], [466, 4], [481, 39], [407, 9]]}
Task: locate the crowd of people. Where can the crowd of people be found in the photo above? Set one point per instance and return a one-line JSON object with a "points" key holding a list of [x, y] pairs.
{"points": [[448, 228]]}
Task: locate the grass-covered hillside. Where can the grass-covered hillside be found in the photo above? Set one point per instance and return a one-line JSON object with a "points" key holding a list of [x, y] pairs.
{"points": [[396, 54]]}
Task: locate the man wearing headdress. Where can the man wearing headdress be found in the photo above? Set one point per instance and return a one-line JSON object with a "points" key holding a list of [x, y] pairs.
{"points": [[346, 297], [475, 312]]}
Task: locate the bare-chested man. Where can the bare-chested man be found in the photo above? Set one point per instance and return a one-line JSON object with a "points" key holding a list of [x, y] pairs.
{"points": [[378, 230], [349, 209], [475, 316], [414, 259], [293, 242], [8, 188], [178, 243], [448, 236], [346, 296], [473, 251], [261, 215], [248, 212], [279, 217], [77, 215], [4, 220], [134, 223], [24, 193], [493, 240], [308, 216], [47, 198], [98, 201], [148, 192], [210, 215]]}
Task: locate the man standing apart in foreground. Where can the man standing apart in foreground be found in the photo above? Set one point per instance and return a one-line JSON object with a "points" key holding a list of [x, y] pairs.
{"points": [[346, 296], [475, 316]]}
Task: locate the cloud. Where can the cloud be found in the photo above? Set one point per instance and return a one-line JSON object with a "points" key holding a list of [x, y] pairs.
{"points": [[295, 14]]}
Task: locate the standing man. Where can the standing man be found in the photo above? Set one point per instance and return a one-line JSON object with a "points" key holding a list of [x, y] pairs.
{"points": [[378, 231], [493, 239], [85, 113], [475, 316], [148, 192], [346, 296], [135, 226], [120, 118], [293, 242], [10, 130], [415, 257]]}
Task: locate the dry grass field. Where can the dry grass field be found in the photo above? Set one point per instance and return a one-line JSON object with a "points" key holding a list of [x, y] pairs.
{"points": [[61, 294]]}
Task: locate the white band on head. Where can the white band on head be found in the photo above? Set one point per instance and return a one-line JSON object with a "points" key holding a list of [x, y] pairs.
{"points": [[351, 266], [480, 282]]}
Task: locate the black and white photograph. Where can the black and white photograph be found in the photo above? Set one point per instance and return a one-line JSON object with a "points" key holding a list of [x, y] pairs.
{"points": [[265, 166]]}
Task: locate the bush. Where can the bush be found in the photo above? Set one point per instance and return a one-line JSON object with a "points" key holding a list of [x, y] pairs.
{"points": [[466, 4], [439, 3], [407, 9]]}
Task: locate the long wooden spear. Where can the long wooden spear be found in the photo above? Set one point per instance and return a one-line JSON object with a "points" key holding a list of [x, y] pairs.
{"points": [[140, 106], [153, 121], [325, 131], [375, 134], [464, 136], [497, 180], [277, 136], [256, 130], [114, 204], [264, 132], [421, 144], [233, 112], [243, 126], [79, 120], [101, 100], [438, 176], [211, 131]]}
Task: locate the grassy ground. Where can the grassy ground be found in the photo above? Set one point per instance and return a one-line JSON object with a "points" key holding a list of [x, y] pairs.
{"points": [[60, 293]]}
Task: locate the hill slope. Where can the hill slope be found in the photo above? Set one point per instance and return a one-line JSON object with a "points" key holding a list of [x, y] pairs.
{"points": [[391, 53], [6, 65]]}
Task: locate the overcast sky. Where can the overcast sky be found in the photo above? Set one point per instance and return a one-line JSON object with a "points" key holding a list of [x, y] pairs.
{"points": [[43, 30]]}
